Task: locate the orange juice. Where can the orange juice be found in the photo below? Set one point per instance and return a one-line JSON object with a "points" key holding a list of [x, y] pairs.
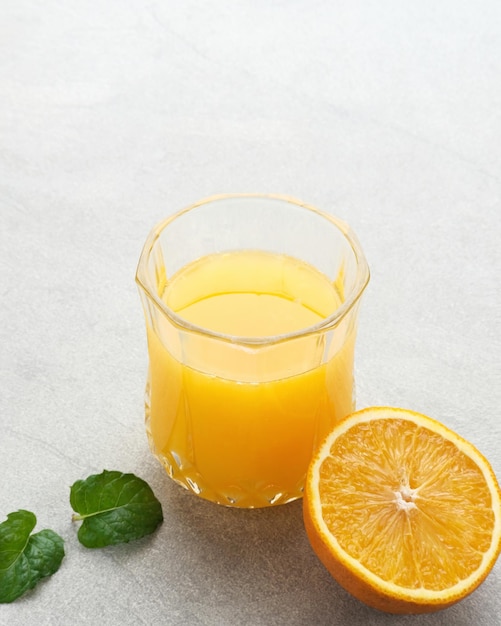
{"points": [[233, 415]]}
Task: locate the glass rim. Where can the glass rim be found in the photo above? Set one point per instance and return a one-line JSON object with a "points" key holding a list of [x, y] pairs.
{"points": [[361, 281]]}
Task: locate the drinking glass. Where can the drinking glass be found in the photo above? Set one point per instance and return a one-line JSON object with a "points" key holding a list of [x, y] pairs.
{"points": [[251, 306]]}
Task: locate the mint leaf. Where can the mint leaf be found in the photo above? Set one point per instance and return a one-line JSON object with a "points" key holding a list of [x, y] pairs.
{"points": [[115, 508], [25, 558]]}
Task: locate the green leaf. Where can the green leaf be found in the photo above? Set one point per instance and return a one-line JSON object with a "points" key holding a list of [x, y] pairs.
{"points": [[115, 508], [25, 558]]}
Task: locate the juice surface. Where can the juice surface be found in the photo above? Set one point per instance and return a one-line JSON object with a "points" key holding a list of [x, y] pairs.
{"points": [[234, 421]]}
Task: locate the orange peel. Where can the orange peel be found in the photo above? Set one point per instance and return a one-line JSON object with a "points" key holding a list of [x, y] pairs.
{"points": [[403, 512]]}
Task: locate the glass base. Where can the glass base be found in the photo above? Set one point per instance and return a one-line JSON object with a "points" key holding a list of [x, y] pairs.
{"points": [[229, 495], [185, 474]]}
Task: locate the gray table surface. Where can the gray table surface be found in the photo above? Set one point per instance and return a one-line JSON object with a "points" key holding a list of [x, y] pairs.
{"points": [[115, 114]]}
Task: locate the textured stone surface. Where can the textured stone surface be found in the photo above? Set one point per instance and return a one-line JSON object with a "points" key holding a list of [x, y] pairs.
{"points": [[114, 115]]}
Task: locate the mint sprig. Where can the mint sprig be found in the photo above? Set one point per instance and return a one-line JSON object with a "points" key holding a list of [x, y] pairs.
{"points": [[25, 558], [114, 508]]}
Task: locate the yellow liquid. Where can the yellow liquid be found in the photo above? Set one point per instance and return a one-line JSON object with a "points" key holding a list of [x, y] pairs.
{"points": [[237, 421]]}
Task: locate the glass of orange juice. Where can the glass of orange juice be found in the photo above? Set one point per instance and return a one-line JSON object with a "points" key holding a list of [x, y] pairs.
{"points": [[251, 304]]}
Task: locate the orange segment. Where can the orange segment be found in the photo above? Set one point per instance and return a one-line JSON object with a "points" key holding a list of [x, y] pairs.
{"points": [[404, 513]]}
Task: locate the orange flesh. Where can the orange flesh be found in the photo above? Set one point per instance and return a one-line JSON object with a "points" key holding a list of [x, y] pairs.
{"points": [[408, 505]]}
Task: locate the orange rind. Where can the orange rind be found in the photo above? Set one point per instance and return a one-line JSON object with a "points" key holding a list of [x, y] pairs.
{"points": [[403, 512]]}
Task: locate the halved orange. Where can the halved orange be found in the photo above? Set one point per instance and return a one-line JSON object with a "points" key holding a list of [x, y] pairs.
{"points": [[403, 512]]}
